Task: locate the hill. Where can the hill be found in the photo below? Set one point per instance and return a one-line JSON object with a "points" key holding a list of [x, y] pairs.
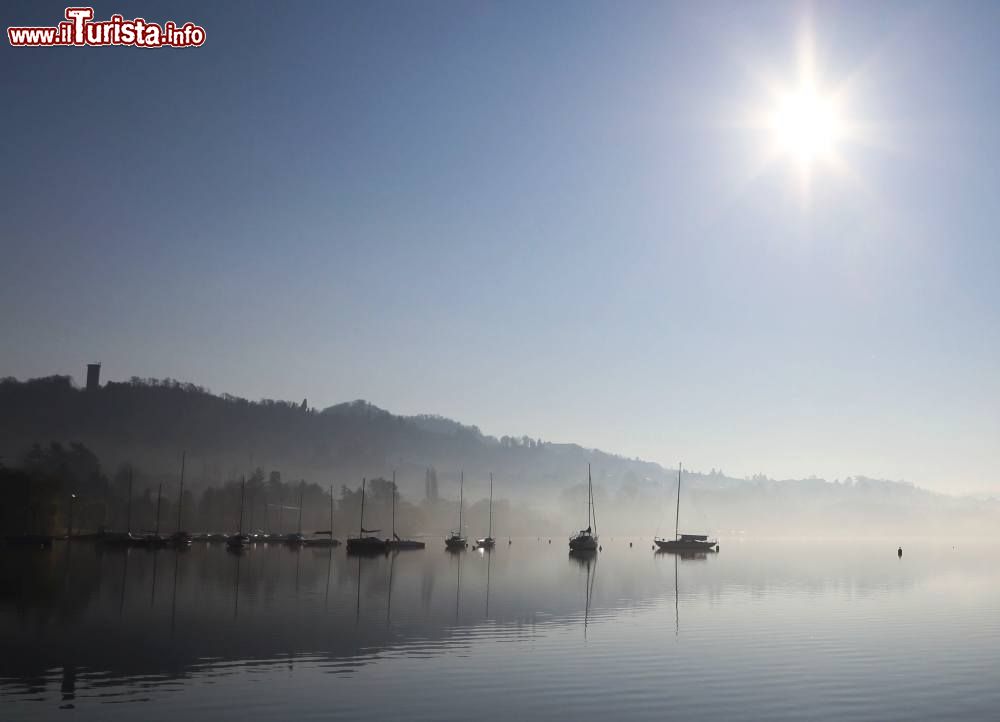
{"points": [[148, 422]]}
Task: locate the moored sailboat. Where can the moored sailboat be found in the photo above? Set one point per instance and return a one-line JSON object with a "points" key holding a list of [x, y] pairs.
{"points": [[395, 542], [456, 539], [488, 542], [685, 542], [296, 538], [324, 538], [364, 543], [586, 539], [125, 538], [180, 538], [238, 542]]}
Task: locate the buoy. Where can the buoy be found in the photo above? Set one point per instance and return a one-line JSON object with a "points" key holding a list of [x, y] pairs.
{"points": [[899, 552], [630, 545], [600, 549], [550, 541]]}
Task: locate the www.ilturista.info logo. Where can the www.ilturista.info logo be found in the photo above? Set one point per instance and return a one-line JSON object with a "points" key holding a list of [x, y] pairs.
{"points": [[80, 29]]}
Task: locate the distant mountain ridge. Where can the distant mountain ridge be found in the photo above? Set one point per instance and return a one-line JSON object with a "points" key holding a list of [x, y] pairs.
{"points": [[153, 419], [148, 422]]}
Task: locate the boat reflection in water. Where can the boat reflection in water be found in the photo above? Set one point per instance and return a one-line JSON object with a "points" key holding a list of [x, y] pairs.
{"points": [[126, 634], [588, 560]]}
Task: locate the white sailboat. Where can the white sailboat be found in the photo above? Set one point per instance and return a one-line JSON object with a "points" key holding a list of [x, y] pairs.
{"points": [[488, 542]]}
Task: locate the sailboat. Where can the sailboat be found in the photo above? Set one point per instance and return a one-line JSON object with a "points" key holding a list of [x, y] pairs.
{"points": [[396, 542], [152, 538], [296, 538], [456, 540], [488, 542], [685, 542], [586, 539], [236, 542], [325, 538], [363, 543], [126, 537], [181, 538]]}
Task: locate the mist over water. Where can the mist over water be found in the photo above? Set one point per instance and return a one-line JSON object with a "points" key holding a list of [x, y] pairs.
{"points": [[768, 630]]}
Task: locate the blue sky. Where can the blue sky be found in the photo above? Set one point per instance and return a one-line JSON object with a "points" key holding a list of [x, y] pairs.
{"points": [[542, 218]]}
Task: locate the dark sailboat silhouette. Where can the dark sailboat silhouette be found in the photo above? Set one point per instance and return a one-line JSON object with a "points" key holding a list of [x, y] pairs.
{"points": [[364, 543], [238, 542], [586, 539], [324, 538], [685, 542], [152, 538], [456, 540], [395, 542], [126, 537], [296, 538], [180, 538]]}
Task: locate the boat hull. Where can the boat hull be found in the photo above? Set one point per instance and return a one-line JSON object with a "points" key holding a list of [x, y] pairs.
{"points": [[674, 545], [322, 542], [237, 542], [406, 544], [366, 545], [583, 544], [456, 542]]}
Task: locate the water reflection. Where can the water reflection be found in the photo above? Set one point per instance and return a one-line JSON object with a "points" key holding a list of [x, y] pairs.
{"points": [[588, 560], [82, 624]]}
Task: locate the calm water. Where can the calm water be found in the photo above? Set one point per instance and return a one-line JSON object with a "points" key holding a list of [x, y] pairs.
{"points": [[758, 631]]}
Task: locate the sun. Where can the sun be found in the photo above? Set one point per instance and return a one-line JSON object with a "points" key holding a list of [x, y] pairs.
{"points": [[801, 121], [806, 125]]}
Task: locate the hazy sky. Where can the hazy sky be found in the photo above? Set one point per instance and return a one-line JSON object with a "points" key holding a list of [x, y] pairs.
{"points": [[541, 218]]}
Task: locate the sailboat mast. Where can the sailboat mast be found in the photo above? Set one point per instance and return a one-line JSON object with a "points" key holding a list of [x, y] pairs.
{"points": [[331, 512], [302, 491], [362, 532], [491, 506], [243, 496], [461, 501], [180, 497], [159, 498], [128, 512], [677, 519], [593, 508], [393, 503], [590, 497]]}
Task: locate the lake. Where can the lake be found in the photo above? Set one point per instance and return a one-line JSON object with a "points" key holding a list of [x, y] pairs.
{"points": [[761, 630]]}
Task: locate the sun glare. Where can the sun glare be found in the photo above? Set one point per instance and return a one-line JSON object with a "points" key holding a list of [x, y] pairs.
{"points": [[801, 122], [806, 125]]}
